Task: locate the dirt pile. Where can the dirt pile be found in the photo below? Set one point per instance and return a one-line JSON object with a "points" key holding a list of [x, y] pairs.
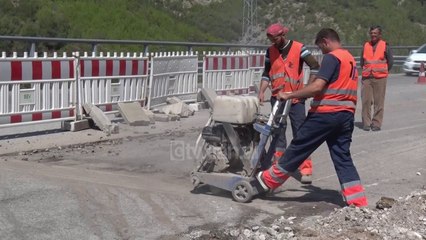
{"points": [[404, 218]]}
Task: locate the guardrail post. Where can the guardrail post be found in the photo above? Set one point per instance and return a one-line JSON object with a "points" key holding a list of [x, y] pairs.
{"points": [[32, 49], [94, 47], [77, 99], [145, 50]]}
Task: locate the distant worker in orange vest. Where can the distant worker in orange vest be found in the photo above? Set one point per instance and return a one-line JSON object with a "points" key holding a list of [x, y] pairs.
{"points": [[330, 120], [284, 72], [376, 62]]}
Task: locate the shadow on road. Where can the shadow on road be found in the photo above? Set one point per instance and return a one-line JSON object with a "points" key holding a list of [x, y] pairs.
{"points": [[359, 125], [312, 194], [211, 190], [31, 134]]}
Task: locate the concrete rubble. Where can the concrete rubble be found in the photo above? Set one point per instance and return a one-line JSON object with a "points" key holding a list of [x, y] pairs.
{"points": [[176, 106], [404, 218], [207, 96]]}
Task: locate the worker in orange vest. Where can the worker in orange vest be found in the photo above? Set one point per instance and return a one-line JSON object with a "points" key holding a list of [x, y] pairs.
{"points": [[284, 72], [376, 62], [330, 119]]}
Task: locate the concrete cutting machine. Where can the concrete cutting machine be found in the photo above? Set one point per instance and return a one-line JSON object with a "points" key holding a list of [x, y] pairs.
{"points": [[235, 145]]}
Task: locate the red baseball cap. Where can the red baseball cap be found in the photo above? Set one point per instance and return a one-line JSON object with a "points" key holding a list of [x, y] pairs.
{"points": [[276, 29]]}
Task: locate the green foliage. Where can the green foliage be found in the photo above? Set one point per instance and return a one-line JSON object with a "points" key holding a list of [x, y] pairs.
{"points": [[403, 21], [96, 19]]}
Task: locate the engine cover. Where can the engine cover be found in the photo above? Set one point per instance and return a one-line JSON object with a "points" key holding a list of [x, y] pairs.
{"points": [[235, 109]]}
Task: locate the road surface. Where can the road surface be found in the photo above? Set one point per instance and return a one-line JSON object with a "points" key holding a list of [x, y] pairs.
{"points": [[135, 184]]}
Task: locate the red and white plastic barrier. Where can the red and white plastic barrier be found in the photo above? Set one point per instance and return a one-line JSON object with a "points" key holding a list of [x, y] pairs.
{"points": [[173, 74], [36, 89], [106, 80], [227, 73], [257, 65]]}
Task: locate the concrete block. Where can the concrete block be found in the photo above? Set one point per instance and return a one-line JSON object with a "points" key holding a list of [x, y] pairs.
{"points": [[195, 107], [172, 100], [174, 118], [114, 129], [175, 108], [207, 95], [133, 114], [75, 126], [150, 115], [100, 119], [179, 108], [203, 105], [161, 117]]}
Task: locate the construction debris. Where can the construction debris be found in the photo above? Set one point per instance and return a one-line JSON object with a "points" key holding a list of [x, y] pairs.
{"points": [[100, 119], [133, 114], [402, 219]]}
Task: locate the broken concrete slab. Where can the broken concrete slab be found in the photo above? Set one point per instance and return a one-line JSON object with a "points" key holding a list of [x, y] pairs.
{"points": [[156, 110], [172, 100], [173, 117], [207, 95], [100, 119], [195, 107], [150, 115], [133, 114], [75, 126], [175, 108], [161, 117], [179, 108]]}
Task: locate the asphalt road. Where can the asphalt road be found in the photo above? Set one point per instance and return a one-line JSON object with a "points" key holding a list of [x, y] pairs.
{"points": [[135, 184]]}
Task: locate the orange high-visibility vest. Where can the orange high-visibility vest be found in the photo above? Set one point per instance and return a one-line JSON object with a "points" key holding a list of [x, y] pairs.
{"points": [[285, 72], [375, 63], [340, 95]]}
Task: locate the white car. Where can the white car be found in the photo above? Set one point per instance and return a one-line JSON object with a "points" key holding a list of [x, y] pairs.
{"points": [[412, 63]]}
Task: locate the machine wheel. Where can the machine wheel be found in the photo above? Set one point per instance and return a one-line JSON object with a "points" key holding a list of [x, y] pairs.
{"points": [[242, 192], [195, 180]]}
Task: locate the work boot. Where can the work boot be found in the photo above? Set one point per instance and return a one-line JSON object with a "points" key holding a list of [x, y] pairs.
{"points": [[306, 179], [258, 184], [374, 128], [306, 171]]}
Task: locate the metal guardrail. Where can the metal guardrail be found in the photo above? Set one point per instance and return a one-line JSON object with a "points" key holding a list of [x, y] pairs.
{"points": [[96, 42], [402, 51]]}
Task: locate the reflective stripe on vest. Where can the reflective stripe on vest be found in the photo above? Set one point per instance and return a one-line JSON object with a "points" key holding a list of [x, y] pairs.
{"points": [[341, 92], [286, 78], [375, 61], [292, 81], [324, 102], [278, 75], [379, 70]]}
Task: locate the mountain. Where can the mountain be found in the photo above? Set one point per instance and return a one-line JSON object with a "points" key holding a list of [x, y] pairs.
{"points": [[403, 21]]}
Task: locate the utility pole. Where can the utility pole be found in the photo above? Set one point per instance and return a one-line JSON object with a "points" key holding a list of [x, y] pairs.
{"points": [[249, 18]]}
